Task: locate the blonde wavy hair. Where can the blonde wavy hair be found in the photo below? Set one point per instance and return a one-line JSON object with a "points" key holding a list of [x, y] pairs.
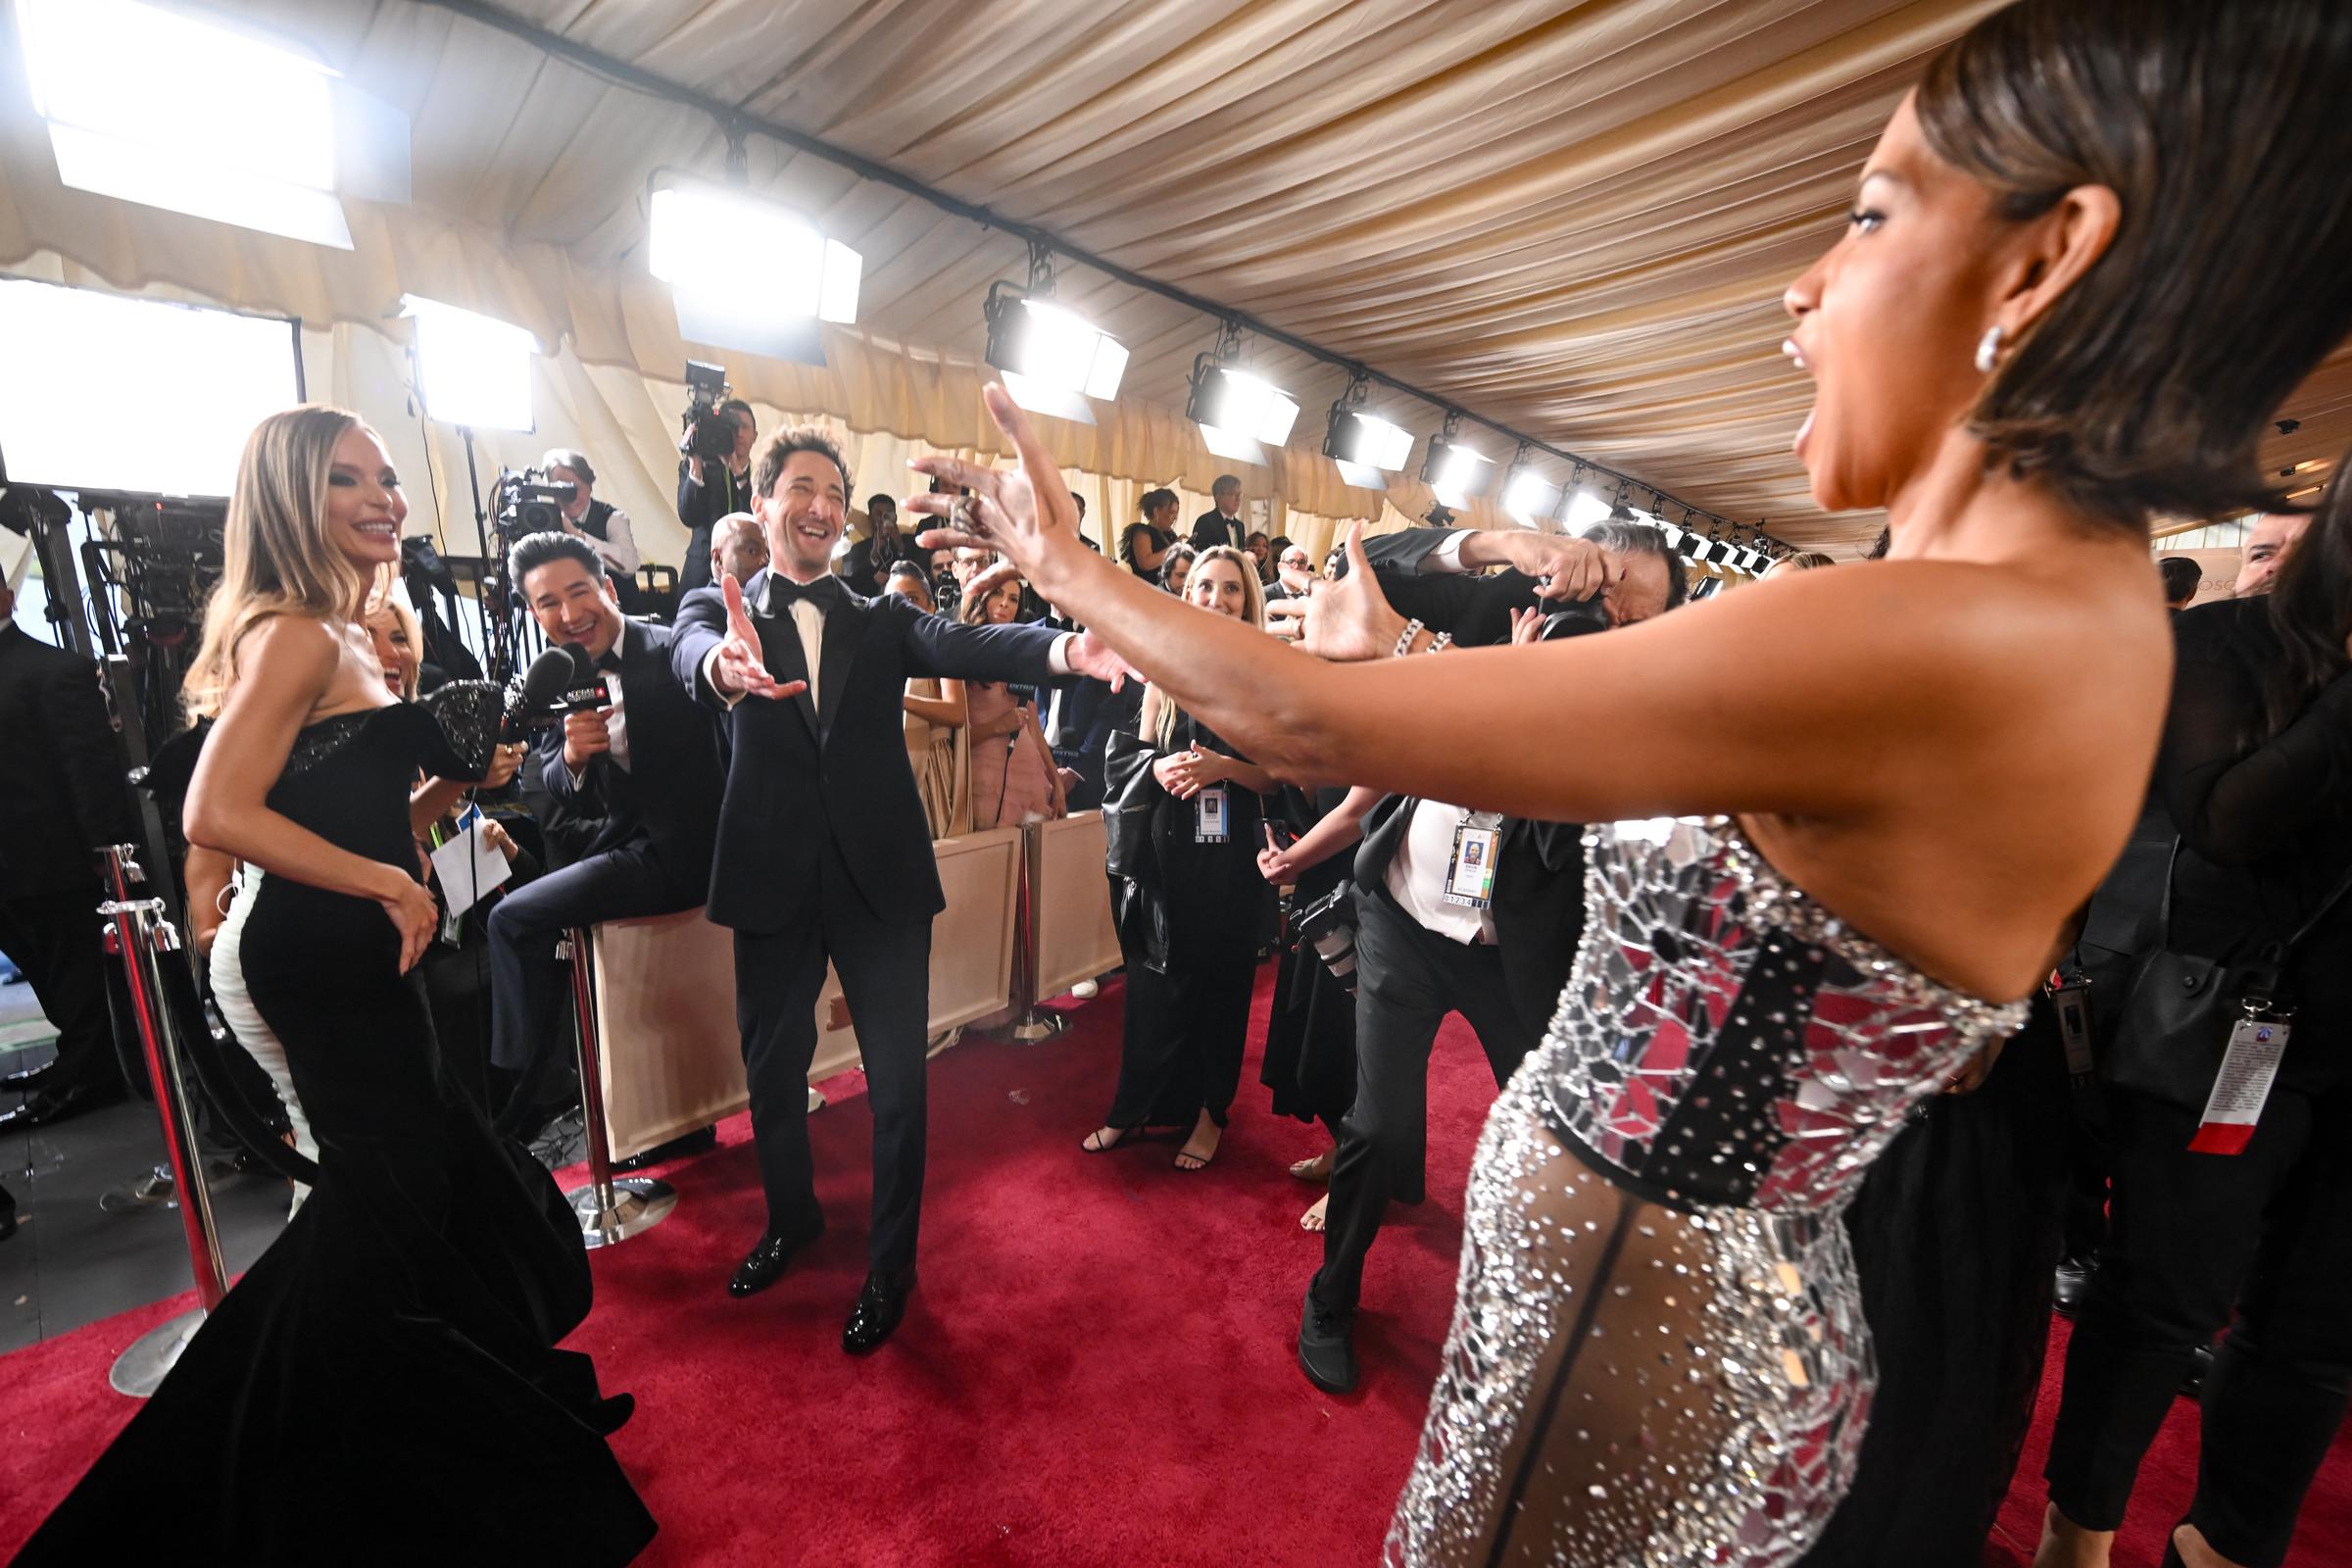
{"points": [[277, 557], [1253, 612]]}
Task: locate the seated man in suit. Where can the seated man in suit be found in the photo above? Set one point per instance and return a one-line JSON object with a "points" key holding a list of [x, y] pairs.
{"points": [[823, 848], [647, 763]]}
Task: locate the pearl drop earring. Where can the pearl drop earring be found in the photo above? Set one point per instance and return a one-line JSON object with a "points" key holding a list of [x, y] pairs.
{"points": [[1988, 351]]}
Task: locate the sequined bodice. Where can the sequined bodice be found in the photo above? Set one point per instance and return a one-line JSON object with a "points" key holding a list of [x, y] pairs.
{"points": [[1724, 1040]]}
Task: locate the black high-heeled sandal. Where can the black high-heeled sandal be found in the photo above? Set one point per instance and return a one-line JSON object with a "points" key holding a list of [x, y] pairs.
{"points": [[1125, 1133]]}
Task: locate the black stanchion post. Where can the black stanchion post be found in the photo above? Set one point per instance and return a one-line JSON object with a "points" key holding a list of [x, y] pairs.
{"points": [[609, 1210], [139, 930]]}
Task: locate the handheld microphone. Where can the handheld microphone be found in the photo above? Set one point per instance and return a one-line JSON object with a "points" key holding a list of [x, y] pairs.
{"points": [[584, 685], [550, 674]]}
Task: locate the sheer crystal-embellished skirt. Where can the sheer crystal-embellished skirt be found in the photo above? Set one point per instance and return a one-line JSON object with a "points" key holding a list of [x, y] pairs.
{"points": [[1630, 1386]]}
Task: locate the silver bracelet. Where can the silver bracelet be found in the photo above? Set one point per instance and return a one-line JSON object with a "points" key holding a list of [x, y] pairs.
{"points": [[1405, 643], [1444, 641]]}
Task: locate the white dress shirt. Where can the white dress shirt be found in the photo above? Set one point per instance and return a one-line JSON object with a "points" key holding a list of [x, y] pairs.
{"points": [[616, 722], [1416, 877], [619, 546]]}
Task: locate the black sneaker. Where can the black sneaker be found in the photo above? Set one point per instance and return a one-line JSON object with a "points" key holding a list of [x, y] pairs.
{"points": [[1326, 1352]]}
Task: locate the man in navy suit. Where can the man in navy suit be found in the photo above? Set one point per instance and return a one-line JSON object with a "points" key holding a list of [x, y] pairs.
{"points": [[646, 762], [823, 850]]}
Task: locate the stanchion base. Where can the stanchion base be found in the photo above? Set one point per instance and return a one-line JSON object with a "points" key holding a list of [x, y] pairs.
{"points": [[1036, 1029], [141, 1368], [639, 1203]]}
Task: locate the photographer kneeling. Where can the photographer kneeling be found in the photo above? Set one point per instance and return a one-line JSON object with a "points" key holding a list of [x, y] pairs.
{"points": [[646, 760]]}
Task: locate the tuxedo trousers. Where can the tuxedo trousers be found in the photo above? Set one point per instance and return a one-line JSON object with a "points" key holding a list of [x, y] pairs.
{"points": [[884, 969], [56, 939], [1408, 979], [528, 982]]}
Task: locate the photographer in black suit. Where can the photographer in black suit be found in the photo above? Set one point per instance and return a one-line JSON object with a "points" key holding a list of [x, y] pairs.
{"points": [[708, 490], [645, 764], [823, 848], [1442, 576], [62, 794], [1456, 911]]}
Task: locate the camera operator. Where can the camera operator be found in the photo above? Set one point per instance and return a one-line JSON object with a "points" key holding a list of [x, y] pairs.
{"points": [[1456, 911], [647, 759], [709, 489], [603, 525]]}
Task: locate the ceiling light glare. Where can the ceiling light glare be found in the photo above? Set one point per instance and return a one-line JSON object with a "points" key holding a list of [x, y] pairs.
{"points": [[1452, 470], [1367, 441], [750, 275], [1529, 497], [151, 106], [1583, 511], [472, 369], [1242, 404]]}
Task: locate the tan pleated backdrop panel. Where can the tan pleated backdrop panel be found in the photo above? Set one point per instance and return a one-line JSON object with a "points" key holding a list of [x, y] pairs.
{"points": [[1575, 219]]}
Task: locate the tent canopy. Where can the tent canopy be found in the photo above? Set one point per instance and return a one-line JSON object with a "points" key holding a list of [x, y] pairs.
{"points": [[1572, 219]]}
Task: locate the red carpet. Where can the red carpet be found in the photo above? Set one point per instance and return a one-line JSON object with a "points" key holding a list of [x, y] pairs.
{"points": [[1096, 1370]]}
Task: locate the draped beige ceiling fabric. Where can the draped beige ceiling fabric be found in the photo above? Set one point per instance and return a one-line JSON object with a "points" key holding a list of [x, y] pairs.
{"points": [[1572, 218]]}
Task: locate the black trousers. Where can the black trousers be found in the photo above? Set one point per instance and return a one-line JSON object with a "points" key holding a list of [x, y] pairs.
{"points": [[885, 971], [54, 939], [527, 985], [2269, 1230], [1408, 978], [1182, 1041]]}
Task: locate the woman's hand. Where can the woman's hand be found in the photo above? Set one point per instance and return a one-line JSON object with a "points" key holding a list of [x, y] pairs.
{"points": [[1343, 621], [1274, 862], [1527, 626], [505, 763], [496, 837], [1026, 514], [415, 915], [1187, 774]]}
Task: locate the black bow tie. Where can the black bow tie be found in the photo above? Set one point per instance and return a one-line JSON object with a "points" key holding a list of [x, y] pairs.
{"points": [[610, 660], [783, 593]]}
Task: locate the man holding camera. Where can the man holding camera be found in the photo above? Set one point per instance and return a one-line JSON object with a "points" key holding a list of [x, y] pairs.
{"points": [[644, 758], [604, 526], [709, 487]]}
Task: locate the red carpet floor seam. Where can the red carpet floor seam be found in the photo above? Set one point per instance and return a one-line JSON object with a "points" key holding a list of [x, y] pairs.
{"points": [[1096, 1369]]}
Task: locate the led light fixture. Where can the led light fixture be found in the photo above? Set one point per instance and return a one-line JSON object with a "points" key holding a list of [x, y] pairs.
{"points": [[1054, 359], [1527, 495], [151, 106], [750, 275], [1450, 468], [1240, 415], [472, 369], [220, 374], [1584, 510]]}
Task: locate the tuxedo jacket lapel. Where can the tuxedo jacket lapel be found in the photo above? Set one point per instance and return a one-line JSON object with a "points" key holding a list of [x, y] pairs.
{"points": [[780, 644], [836, 650]]}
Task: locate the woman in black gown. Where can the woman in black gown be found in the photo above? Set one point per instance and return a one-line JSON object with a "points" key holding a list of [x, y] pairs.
{"points": [[383, 1385], [1183, 811]]}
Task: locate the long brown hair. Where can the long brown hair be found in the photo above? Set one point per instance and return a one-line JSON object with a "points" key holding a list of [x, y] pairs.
{"points": [[2220, 126], [2311, 609], [276, 559]]}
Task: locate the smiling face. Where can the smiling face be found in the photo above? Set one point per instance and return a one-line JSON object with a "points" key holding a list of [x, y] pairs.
{"points": [[803, 513], [1218, 585], [365, 508], [393, 650], [1888, 322], [573, 603]]}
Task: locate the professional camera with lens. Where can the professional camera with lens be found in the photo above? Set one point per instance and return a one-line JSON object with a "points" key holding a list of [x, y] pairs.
{"points": [[530, 502], [710, 434]]}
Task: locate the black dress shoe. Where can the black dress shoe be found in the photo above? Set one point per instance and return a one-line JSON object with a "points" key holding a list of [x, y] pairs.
{"points": [[2073, 1284], [47, 1106], [763, 1265], [2200, 1366], [880, 1305], [1326, 1349], [699, 1142], [8, 1214]]}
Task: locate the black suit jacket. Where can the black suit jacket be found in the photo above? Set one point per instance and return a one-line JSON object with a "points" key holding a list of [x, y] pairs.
{"points": [[1476, 608], [668, 795], [801, 775], [700, 506], [62, 780], [1210, 529]]}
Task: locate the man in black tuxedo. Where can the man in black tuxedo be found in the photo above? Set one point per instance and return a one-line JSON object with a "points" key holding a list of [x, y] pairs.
{"points": [[645, 764], [62, 794], [1222, 524], [823, 848]]}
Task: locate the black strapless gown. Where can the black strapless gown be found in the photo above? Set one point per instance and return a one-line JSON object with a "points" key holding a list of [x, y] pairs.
{"points": [[383, 1385]]}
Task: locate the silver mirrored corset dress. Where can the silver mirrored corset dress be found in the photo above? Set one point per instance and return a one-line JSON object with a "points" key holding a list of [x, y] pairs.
{"points": [[1657, 1355]]}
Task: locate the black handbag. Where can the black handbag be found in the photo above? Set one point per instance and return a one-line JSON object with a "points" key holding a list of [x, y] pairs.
{"points": [[2175, 1024]]}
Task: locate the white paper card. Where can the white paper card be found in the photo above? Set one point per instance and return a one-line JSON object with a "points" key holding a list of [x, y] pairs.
{"points": [[470, 867]]}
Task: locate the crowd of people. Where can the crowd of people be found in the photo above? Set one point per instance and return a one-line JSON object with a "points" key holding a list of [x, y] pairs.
{"points": [[1865, 959]]}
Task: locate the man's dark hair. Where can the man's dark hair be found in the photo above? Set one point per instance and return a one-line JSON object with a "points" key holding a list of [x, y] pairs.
{"points": [[535, 549], [2180, 578], [778, 448], [881, 499], [1225, 482], [1153, 500], [1081, 499], [1642, 539], [2144, 389], [568, 458], [738, 405]]}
